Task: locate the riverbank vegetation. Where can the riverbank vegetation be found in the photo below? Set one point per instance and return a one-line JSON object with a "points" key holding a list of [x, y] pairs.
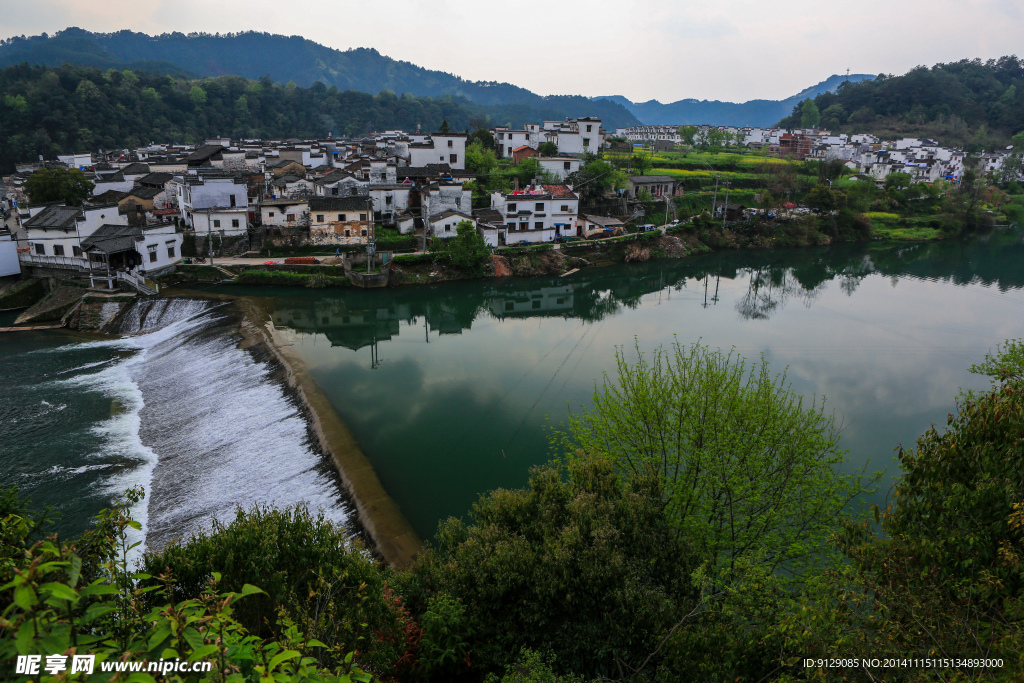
{"points": [[671, 539]]}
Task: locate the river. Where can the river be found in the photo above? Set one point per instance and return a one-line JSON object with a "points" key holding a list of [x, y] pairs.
{"points": [[453, 389]]}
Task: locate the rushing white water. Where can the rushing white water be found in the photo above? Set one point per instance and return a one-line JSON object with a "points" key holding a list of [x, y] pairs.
{"points": [[202, 425]]}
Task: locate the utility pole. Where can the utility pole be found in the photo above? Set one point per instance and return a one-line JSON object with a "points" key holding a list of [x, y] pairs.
{"points": [[714, 202], [209, 236], [725, 207]]}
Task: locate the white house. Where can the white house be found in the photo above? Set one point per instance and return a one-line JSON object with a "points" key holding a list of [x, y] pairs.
{"points": [[152, 249], [441, 148], [212, 203], [507, 139], [54, 233], [8, 255], [560, 167], [445, 224], [539, 213]]}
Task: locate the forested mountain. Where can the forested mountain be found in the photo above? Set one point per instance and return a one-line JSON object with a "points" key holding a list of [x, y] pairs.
{"points": [[285, 59], [48, 111], [761, 113], [971, 103]]}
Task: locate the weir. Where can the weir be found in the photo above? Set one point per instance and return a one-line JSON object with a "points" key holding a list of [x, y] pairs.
{"points": [[222, 429]]}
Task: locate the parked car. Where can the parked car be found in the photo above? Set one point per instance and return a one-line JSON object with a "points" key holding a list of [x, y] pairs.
{"points": [[647, 227]]}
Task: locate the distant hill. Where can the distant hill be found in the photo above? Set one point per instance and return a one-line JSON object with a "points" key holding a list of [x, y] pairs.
{"points": [[970, 103], [759, 113], [284, 59]]}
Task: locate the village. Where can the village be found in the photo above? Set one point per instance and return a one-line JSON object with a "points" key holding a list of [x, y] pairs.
{"points": [[235, 197]]}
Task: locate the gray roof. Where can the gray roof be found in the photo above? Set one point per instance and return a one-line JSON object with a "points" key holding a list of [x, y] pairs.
{"points": [[652, 179], [55, 218], [204, 153], [357, 203], [113, 239], [155, 178], [135, 168]]}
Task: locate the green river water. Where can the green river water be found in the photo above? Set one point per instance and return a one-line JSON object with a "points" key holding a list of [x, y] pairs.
{"points": [[452, 389]]}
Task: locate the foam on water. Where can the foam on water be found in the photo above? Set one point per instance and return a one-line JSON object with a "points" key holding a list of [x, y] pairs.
{"points": [[202, 425]]}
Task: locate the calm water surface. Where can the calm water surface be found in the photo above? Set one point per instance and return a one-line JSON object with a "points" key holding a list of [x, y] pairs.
{"points": [[452, 389]]}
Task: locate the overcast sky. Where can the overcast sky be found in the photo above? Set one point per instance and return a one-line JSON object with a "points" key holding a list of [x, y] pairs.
{"points": [[733, 50]]}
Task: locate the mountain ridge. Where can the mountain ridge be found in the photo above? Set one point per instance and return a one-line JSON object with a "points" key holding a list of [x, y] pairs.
{"points": [[286, 58], [757, 113]]}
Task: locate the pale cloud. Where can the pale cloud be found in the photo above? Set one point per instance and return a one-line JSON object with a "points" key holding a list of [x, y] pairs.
{"points": [[644, 49]]}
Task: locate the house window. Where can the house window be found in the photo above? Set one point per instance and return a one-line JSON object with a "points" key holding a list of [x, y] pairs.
{"points": [[565, 208], [363, 232], [586, 142], [453, 158], [362, 216], [232, 200], [270, 214], [152, 253], [565, 165], [387, 200], [348, 233], [341, 217], [40, 249], [76, 251], [510, 305], [319, 218], [512, 208], [216, 224], [234, 222], [510, 226], [448, 228], [539, 225], [588, 127], [290, 217], [58, 250], [536, 304], [539, 206], [450, 143], [170, 250]]}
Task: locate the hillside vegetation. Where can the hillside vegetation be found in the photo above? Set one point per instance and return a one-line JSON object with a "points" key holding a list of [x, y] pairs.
{"points": [[51, 110], [287, 59], [972, 104]]}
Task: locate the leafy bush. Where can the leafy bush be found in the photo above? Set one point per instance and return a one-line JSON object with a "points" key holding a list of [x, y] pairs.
{"points": [[581, 564], [330, 585]]}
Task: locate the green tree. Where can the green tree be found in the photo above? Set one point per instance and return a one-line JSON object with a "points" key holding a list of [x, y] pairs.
{"points": [[548, 149], [946, 573], [444, 127], [823, 198], [688, 134], [467, 249], [197, 96], [747, 466], [810, 117], [58, 184], [484, 138], [581, 564], [641, 163]]}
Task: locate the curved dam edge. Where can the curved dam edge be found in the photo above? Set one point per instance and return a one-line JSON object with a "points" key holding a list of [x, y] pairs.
{"points": [[393, 536]]}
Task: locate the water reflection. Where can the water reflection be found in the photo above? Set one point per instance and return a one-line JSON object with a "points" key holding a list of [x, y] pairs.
{"points": [[774, 279]]}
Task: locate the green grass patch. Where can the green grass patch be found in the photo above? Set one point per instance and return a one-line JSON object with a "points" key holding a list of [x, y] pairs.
{"points": [[905, 234], [882, 217], [289, 279]]}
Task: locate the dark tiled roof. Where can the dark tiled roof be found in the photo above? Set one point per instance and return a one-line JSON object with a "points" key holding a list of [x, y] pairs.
{"points": [[112, 239], [111, 178], [157, 178], [146, 192], [55, 218], [135, 169], [651, 179], [338, 203], [204, 153], [492, 216]]}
